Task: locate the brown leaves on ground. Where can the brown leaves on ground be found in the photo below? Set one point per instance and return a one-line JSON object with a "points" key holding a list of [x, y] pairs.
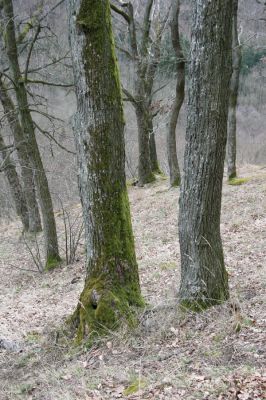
{"points": [[218, 354]]}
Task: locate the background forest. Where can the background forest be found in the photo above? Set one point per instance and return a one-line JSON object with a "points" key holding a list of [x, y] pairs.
{"points": [[56, 336], [60, 102]]}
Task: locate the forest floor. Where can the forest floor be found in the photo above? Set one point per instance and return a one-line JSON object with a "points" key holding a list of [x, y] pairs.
{"points": [[216, 354]]}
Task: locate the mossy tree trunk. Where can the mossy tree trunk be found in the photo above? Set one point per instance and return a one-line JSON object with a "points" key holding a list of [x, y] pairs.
{"points": [[27, 175], [234, 85], [175, 177], [112, 281], [203, 275], [16, 190], [27, 124]]}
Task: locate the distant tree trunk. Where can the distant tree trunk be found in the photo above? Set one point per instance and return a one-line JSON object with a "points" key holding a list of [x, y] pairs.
{"points": [[22, 152], [51, 244], [153, 151], [145, 54], [15, 186], [112, 282], [179, 98], [145, 173], [204, 280], [233, 95]]}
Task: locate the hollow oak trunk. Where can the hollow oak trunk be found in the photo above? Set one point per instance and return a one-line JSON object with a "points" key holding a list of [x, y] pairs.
{"points": [[112, 282], [27, 175], [15, 186], [175, 177], [46, 205], [203, 275], [234, 84]]}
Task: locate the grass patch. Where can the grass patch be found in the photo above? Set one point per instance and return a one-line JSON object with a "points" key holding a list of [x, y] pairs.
{"points": [[238, 181], [134, 387], [170, 265]]}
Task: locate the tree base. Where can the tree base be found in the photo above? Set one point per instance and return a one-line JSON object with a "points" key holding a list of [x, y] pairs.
{"points": [[232, 175], [52, 263], [201, 301], [147, 179], [101, 309], [175, 182]]}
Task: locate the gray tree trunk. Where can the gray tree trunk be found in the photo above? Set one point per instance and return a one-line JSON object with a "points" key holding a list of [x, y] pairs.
{"points": [[15, 186], [233, 95], [46, 205], [112, 282], [204, 278], [175, 177], [27, 175], [145, 173]]}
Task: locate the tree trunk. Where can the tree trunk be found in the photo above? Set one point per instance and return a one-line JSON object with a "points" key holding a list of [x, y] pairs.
{"points": [[112, 282], [51, 244], [15, 187], [152, 143], [233, 94], [204, 280], [175, 177], [22, 152], [145, 173]]}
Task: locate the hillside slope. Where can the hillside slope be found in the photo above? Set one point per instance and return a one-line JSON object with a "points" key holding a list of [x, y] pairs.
{"points": [[218, 354]]}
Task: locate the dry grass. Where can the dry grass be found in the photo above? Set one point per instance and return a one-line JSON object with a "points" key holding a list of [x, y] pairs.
{"points": [[218, 354]]}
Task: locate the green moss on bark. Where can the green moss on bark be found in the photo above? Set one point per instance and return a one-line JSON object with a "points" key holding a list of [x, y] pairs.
{"points": [[202, 302], [112, 284], [52, 263], [102, 307]]}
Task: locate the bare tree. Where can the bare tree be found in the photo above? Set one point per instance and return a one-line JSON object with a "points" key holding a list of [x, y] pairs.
{"points": [[203, 275], [144, 52], [9, 169], [179, 98], [233, 95], [27, 176], [112, 282], [27, 124]]}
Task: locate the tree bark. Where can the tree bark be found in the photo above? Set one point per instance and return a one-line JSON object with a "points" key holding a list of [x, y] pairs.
{"points": [[15, 186], [153, 151], [112, 282], [233, 95], [51, 244], [204, 280], [145, 173], [175, 177], [23, 157]]}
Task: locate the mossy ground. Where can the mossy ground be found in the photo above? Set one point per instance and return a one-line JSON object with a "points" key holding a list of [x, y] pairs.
{"points": [[237, 181]]}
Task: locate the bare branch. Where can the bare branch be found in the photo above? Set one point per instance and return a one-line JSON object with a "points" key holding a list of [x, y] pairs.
{"points": [[38, 81], [120, 12], [30, 51], [48, 135], [129, 96]]}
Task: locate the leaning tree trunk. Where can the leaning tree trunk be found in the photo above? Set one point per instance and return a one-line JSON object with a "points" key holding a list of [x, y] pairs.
{"points": [[203, 275], [15, 186], [51, 244], [175, 177], [234, 84], [22, 152], [112, 282]]}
